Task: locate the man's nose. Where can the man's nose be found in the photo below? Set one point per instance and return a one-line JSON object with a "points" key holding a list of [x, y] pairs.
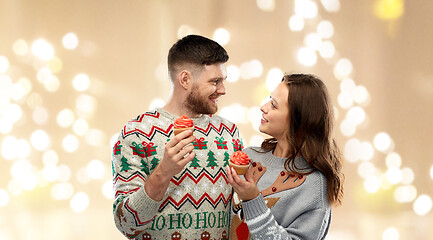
{"points": [[221, 89]]}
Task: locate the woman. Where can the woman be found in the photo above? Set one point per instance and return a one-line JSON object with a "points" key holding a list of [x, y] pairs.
{"points": [[296, 175]]}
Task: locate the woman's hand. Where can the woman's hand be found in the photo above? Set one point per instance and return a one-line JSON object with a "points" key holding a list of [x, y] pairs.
{"points": [[246, 190]]}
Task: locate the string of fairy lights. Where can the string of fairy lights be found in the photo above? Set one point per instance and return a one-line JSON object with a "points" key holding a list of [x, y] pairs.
{"points": [[23, 102]]}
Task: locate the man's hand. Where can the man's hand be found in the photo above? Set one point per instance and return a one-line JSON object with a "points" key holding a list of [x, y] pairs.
{"points": [[177, 153]]}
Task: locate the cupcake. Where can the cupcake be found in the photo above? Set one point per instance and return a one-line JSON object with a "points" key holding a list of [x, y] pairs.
{"points": [[183, 123], [240, 162]]}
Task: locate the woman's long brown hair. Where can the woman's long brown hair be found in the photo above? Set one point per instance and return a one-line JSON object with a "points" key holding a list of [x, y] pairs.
{"points": [[309, 133]]}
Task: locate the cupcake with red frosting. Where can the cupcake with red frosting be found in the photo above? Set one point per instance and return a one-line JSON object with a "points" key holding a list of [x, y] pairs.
{"points": [[240, 162], [183, 123]]}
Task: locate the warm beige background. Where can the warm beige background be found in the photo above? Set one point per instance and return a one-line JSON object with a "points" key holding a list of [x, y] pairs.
{"points": [[121, 45]]}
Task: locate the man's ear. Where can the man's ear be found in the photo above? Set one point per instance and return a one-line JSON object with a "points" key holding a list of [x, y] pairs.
{"points": [[185, 79]]}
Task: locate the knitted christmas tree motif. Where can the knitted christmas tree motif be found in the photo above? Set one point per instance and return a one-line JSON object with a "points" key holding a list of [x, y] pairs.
{"points": [[200, 144], [144, 167], [154, 163], [237, 145], [221, 144], [194, 162], [117, 148], [226, 159], [211, 160], [125, 165]]}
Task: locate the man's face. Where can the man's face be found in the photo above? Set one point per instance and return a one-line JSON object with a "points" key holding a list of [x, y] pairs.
{"points": [[208, 86]]}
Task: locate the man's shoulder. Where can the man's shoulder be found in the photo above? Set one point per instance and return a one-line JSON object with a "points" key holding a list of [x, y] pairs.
{"points": [[148, 114], [148, 120], [149, 125], [219, 119], [147, 117]]}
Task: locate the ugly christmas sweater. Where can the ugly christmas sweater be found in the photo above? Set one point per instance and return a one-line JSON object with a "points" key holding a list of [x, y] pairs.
{"points": [[289, 206], [197, 201]]}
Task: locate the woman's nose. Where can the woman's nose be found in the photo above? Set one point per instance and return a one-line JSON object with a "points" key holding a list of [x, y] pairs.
{"points": [[262, 108]]}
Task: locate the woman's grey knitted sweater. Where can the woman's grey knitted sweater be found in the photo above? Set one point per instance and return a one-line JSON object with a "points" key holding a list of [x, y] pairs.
{"points": [[290, 206]]}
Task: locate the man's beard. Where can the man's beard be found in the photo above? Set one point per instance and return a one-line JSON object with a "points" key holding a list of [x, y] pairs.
{"points": [[198, 104]]}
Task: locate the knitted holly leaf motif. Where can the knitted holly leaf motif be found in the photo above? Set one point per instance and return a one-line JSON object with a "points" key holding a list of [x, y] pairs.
{"points": [[154, 163], [144, 167]]}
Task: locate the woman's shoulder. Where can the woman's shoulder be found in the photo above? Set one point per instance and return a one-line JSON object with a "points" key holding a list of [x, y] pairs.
{"points": [[317, 178], [315, 182], [253, 150]]}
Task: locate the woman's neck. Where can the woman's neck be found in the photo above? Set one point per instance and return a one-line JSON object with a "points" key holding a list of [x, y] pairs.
{"points": [[281, 150]]}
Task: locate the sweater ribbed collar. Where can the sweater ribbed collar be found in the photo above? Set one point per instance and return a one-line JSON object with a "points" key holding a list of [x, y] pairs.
{"points": [[298, 164], [197, 121]]}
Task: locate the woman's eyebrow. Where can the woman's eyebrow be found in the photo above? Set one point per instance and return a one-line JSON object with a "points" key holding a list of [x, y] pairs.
{"points": [[273, 99]]}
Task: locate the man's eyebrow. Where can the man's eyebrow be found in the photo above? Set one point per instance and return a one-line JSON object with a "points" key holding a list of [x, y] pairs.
{"points": [[218, 78]]}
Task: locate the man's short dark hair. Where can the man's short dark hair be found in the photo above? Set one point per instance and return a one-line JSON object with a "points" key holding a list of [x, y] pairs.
{"points": [[196, 50]]}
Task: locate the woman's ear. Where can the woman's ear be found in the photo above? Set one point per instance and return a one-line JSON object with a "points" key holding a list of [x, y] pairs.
{"points": [[184, 78]]}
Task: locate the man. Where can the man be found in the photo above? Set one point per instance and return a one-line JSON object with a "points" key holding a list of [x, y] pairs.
{"points": [[175, 187]]}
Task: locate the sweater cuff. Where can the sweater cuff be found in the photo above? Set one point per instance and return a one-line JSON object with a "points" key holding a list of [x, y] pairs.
{"points": [[254, 207], [142, 201]]}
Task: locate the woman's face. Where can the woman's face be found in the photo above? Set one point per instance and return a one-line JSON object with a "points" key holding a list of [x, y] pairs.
{"points": [[275, 113]]}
